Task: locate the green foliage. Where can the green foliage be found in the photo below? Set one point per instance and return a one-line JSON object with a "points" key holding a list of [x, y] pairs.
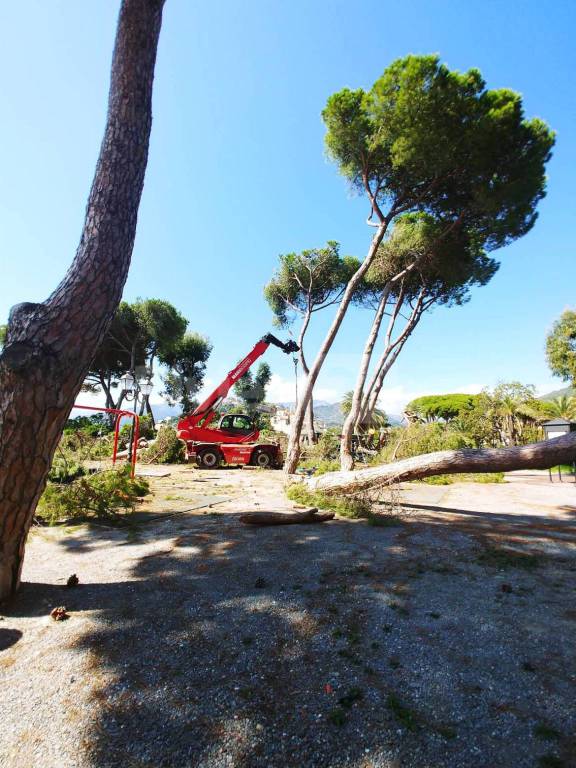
{"points": [[325, 452], [140, 333], [449, 262], [80, 446], [417, 439], [251, 388], [93, 426], [435, 407], [3, 332], [186, 360], [64, 469], [320, 466], [103, 495], [422, 122], [353, 508], [167, 449], [561, 347], [562, 407], [509, 415], [308, 281], [146, 429]]}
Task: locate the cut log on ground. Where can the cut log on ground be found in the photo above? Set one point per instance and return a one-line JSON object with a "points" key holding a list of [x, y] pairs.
{"points": [[542, 455], [286, 518]]}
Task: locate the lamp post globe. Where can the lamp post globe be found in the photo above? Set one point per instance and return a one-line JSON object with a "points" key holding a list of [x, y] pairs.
{"points": [[127, 381], [146, 388]]}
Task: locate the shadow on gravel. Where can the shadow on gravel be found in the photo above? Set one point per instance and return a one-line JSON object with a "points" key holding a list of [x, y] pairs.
{"points": [[8, 637], [529, 526], [332, 645]]}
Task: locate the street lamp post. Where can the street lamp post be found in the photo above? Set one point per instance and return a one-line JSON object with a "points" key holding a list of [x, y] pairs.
{"points": [[133, 387]]}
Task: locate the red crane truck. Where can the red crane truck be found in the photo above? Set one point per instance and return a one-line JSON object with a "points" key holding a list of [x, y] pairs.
{"points": [[235, 439]]}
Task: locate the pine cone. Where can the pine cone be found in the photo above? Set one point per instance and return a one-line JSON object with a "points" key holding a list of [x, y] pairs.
{"points": [[59, 613]]}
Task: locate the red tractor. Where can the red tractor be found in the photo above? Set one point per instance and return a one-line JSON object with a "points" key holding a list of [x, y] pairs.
{"points": [[235, 439]]}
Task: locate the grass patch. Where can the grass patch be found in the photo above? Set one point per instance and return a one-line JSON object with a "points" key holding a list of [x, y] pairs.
{"points": [[350, 697], [493, 557], [404, 714], [551, 761], [465, 477], [337, 716], [383, 521], [546, 732], [349, 655]]}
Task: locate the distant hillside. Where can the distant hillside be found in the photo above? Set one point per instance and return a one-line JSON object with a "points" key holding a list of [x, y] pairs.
{"points": [[326, 413], [331, 415], [566, 392]]}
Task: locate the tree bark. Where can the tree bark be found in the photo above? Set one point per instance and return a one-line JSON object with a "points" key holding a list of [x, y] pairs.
{"points": [[286, 518], [49, 346], [542, 455], [293, 450], [389, 355], [310, 410], [346, 460]]}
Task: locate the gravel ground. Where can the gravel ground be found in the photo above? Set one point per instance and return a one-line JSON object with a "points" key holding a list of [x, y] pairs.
{"points": [[446, 639]]}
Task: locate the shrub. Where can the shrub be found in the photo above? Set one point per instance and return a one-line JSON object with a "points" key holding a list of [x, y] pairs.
{"points": [[320, 467], [102, 495], [146, 431], [167, 449], [416, 439], [65, 469], [81, 446]]}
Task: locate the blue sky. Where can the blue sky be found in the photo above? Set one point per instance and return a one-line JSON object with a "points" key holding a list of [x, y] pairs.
{"points": [[237, 172]]}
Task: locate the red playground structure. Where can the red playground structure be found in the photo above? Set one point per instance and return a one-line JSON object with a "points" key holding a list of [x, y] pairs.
{"points": [[120, 414]]}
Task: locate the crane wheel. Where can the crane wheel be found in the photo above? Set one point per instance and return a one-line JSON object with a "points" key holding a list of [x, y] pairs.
{"points": [[210, 458], [262, 458]]}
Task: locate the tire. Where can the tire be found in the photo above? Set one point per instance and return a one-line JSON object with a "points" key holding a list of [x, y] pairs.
{"points": [[210, 458], [262, 458]]}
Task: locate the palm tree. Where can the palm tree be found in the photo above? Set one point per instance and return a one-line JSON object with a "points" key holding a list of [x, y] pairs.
{"points": [[562, 407], [377, 419]]}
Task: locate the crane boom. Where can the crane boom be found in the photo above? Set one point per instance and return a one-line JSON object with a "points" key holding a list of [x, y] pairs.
{"points": [[205, 411]]}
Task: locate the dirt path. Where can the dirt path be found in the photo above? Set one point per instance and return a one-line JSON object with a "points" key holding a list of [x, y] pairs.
{"points": [[444, 640]]}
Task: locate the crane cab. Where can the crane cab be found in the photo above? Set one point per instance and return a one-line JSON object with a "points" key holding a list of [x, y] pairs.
{"points": [[237, 424]]}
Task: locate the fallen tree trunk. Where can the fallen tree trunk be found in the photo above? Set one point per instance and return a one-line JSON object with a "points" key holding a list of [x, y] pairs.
{"points": [[286, 518], [542, 455]]}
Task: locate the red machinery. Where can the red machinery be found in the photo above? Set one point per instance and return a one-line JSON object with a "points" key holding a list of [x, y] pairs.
{"points": [[235, 440]]}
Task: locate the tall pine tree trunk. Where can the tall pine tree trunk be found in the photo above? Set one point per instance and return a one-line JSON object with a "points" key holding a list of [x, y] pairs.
{"points": [[310, 410], [293, 450], [49, 346], [346, 458]]}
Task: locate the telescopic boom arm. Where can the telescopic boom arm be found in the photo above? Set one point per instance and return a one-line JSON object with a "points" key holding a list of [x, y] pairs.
{"points": [[205, 411]]}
